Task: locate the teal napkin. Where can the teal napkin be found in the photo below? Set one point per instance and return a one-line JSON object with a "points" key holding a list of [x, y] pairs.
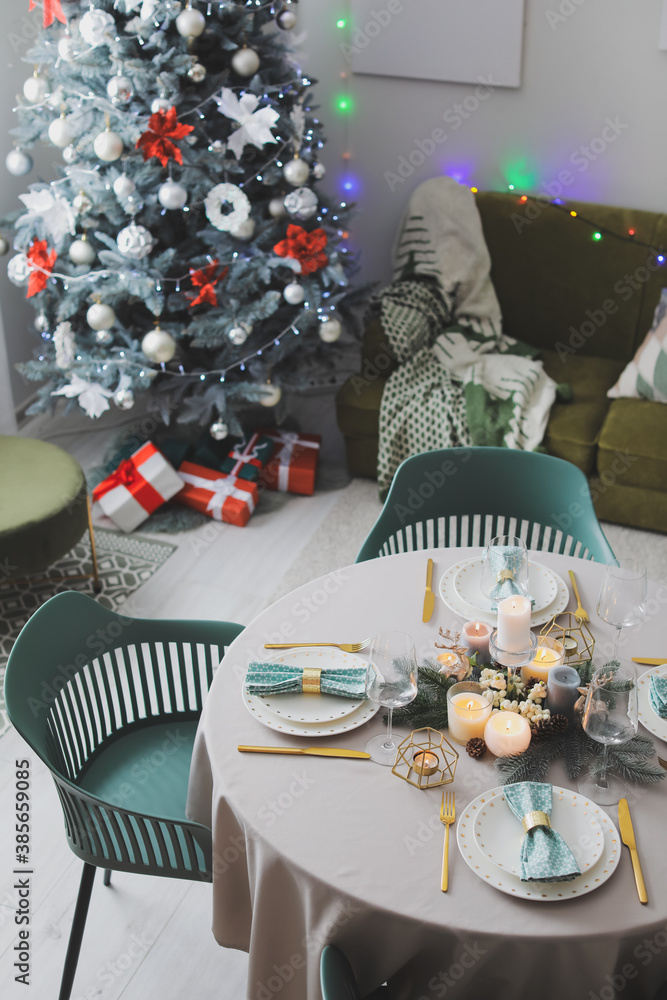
{"points": [[657, 695], [280, 678], [545, 857], [505, 557]]}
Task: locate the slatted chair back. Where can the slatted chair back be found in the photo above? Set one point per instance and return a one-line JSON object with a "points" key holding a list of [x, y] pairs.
{"points": [[467, 496]]}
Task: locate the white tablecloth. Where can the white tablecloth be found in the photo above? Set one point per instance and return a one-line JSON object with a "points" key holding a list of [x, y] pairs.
{"points": [[312, 850]]}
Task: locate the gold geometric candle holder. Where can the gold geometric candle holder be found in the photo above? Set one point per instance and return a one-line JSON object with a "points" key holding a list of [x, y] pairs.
{"points": [[426, 759], [575, 636]]}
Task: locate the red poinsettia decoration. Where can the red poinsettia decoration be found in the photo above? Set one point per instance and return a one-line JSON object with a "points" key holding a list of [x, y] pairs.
{"points": [[307, 248], [206, 279], [42, 264], [52, 9], [157, 141]]}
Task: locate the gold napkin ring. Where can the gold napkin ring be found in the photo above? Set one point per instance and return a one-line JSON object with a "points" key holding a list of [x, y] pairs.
{"points": [[504, 574], [310, 682], [535, 818]]}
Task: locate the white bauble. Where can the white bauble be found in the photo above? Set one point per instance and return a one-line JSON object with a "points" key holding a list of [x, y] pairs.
{"points": [[302, 203], [35, 89], [294, 293], [18, 162], [238, 335], [120, 89], [272, 395], [158, 345], [172, 195], [124, 399], [286, 20], [18, 269], [108, 146], [190, 23], [124, 186], [330, 331], [103, 337], [62, 132], [319, 170], [70, 154], [100, 316], [197, 72], [296, 172], [41, 323], [67, 48], [82, 203], [245, 62], [96, 26], [4, 246], [277, 208], [161, 104], [81, 252], [135, 241], [218, 430], [245, 230]]}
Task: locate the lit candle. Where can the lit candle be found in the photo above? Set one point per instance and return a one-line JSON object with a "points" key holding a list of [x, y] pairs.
{"points": [[476, 635], [425, 762], [562, 690], [507, 733], [514, 624], [550, 653], [467, 711]]}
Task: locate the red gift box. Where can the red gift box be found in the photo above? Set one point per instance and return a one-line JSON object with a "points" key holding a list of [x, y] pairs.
{"points": [[294, 464], [224, 498], [140, 485]]}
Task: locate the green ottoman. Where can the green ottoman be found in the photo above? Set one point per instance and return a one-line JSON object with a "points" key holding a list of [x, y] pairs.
{"points": [[43, 507]]}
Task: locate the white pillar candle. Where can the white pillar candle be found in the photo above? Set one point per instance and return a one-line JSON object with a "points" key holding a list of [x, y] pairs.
{"points": [[550, 653], [476, 635], [507, 733], [514, 624], [467, 711]]}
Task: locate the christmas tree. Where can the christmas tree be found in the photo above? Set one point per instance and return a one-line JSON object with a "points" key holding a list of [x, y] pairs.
{"points": [[183, 247]]}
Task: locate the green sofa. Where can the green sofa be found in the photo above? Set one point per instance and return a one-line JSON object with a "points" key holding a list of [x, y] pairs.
{"points": [[587, 303]]}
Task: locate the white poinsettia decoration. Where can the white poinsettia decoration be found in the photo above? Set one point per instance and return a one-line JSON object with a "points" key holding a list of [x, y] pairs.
{"points": [[148, 7], [93, 398], [63, 339], [255, 124], [56, 212]]}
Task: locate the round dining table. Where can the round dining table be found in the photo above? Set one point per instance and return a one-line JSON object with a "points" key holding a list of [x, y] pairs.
{"points": [[315, 850]]}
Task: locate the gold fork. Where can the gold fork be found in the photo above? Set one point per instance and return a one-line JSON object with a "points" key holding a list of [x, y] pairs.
{"points": [[347, 647], [447, 816], [662, 763], [579, 614]]}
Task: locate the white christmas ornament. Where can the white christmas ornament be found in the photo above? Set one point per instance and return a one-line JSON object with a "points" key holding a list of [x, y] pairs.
{"points": [[93, 398], [108, 146], [62, 132], [103, 337], [158, 345], [172, 195], [124, 399], [135, 241], [286, 20], [18, 269], [197, 72], [70, 154], [124, 186], [63, 340], [18, 163], [277, 208], [96, 27], [245, 230], [294, 293], [161, 104], [272, 395], [41, 322], [296, 172], [35, 89], [82, 203], [319, 170], [4, 246], [302, 203], [67, 48], [226, 194], [81, 253], [120, 89], [245, 62], [238, 335], [100, 316], [330, 331], [218, 430], [255, 125], [190, 23]]}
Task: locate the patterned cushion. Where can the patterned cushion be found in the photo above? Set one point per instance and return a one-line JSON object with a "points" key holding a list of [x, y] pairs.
{"points": [[646, 374]]}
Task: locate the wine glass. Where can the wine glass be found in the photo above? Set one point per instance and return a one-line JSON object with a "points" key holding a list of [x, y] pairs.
{"points": [[610, 717], [392, 682], [622, 597], [505, 558]]}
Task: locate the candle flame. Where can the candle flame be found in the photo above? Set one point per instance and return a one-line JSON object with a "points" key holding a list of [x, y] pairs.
{"points": [[471, 704], [477, 627], [508, 726], [544, 653]]}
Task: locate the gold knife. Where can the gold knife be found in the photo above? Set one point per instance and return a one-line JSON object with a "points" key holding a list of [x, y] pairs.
{"points": [[628, 838], [429, 596], [648, 661], [309, 751]]}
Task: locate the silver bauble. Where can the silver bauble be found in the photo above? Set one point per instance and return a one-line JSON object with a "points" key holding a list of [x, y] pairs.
{"points": [[301, 203], [319, 170], [41, 323], [158, 345], [35, 89], [197, 72], [245, 230], [124, 399], [277, 208], [190, 23], [238, 335], [245, 62], [286, 20], [296, 172], [70, 154], [172, 195], [18, 163], [294, 293], [330, 331], [103, 337], [120, 89], [218, 430], [4, 246], [81, 203], [61, 132], [272, 395], [135, 242], [66, 48], [100, 316], [108, 146], [81, 253], [18, 269], [161, 104], [124, 186]]}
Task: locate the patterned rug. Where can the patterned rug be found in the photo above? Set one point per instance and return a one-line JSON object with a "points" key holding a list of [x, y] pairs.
{"points": [[125, 562]]}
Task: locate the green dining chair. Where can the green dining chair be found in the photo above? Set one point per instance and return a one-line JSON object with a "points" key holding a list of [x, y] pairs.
{"points": [[98, 695], [467, 496], [337, 978]]}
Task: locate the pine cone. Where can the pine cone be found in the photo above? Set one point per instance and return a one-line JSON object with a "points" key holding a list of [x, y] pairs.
{"points": [[476, 747], [559, 723], [542, 729]]}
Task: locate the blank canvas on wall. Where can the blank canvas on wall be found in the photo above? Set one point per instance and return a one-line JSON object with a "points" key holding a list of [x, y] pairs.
{"points": [[460, 41]]}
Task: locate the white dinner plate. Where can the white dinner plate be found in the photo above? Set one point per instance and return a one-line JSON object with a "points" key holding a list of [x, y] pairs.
{"points": [[454, 603], [548, 892], [542, 585], [498, 834], [647, 716]]}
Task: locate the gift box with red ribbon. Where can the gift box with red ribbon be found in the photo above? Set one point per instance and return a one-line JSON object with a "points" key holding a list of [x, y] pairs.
{"points": [[222, 497], [294, 464], [247, 460], [140, 485]]}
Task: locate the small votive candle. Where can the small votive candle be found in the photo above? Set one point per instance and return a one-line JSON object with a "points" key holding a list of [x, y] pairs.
{"points": [[425, 762], [468, 711], [476, 635], [507, 733], [562, 690], [550, 653]]}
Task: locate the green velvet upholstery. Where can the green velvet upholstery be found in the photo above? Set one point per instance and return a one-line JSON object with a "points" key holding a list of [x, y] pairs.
{"points": [[43, 509], [587, 305], [337, 979]]}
